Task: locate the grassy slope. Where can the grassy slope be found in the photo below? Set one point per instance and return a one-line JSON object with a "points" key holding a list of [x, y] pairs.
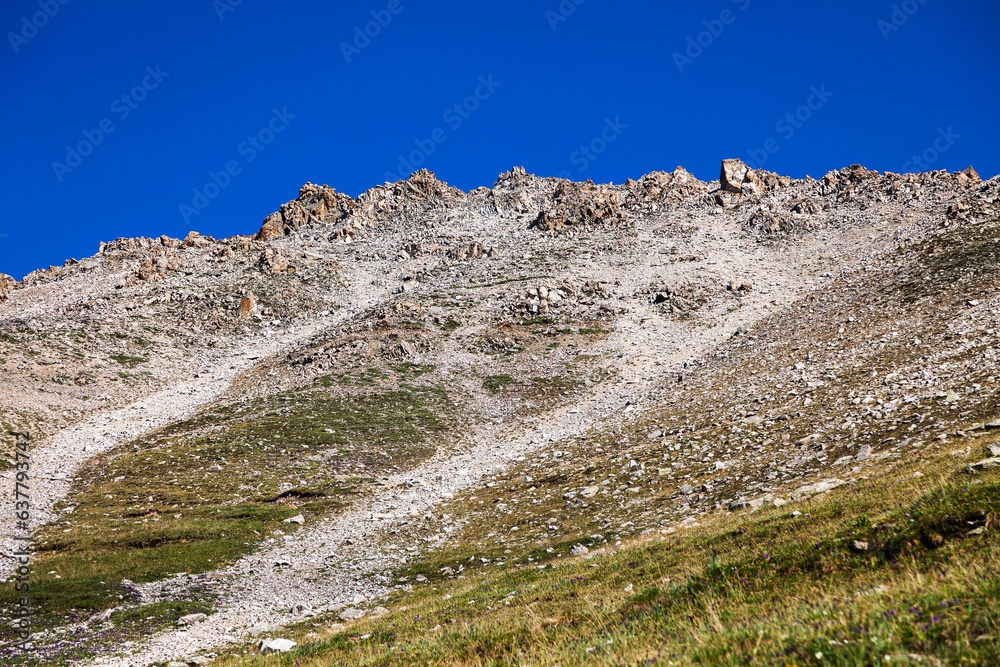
{"points": [[771, 587]]}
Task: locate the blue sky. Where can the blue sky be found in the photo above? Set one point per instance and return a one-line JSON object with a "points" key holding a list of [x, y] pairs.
{"points": [[142, 119]]}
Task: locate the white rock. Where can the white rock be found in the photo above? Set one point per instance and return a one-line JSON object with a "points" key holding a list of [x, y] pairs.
{"points": [[277, 646]]}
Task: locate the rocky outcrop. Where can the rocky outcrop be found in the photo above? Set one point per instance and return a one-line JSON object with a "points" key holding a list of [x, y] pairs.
{"points": [[155, 268], [6, 285], [655, 185], [404, 201], [580, 204], [123, 245], [968, 176], [322, 207], [516, 192], [982, 202], [806, 207], [317, 204], [196, 240], [737, 177]]}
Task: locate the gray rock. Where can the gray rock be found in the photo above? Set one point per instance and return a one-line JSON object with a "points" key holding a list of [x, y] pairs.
{"points": [[579, 550], [298, 518], [351, 614], [589, 491], [756, 503], [866, 451], [263, 629], [819, 487], [986, 464], [859, 546], [686, 489], [378, 611], [191, 619]]}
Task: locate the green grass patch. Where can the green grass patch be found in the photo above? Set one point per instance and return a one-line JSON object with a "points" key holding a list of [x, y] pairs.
{"points": [[412, 370], [129, 362], [495, 383]]}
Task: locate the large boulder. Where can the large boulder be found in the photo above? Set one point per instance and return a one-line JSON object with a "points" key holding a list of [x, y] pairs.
{"points": [[276, 646], [738, 177], [968, 176], [6, 285]]}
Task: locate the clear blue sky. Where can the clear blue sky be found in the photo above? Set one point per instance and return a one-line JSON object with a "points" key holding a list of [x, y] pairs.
{"points": [[628, 81]]}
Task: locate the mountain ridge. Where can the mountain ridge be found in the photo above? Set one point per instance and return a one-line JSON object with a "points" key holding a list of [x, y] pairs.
{"points": [[424, 372]]}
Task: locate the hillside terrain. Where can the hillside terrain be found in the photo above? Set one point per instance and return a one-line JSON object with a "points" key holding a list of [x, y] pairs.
{"points": [[745, 421]]}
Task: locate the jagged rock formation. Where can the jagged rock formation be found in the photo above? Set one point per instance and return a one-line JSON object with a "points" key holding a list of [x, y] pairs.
{"points": [[317, 204], [679, 185], [576, 205]]}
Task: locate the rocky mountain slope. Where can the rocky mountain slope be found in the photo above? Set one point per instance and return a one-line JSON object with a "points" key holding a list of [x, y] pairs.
{"points": [[343, 409]]}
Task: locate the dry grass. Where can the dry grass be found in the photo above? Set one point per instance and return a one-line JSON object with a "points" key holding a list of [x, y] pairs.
{"points": [[767, 588]]}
